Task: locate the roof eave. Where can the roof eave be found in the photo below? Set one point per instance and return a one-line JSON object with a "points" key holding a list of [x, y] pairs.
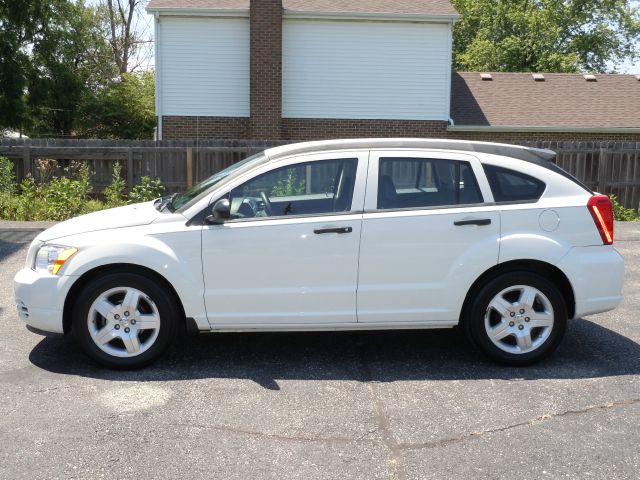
{"points": [[541, 129], [198, 12], [406, 17]]}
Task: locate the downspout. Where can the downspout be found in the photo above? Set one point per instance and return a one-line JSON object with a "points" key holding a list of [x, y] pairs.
{"points": [[158, 89]]}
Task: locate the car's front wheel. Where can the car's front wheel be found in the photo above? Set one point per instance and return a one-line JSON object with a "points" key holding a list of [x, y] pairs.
{"points": [[124, 320], [518, 318]]}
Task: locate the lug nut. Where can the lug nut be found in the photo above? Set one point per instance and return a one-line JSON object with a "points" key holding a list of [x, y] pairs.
{"points": [[116, 316], [526, 319], [117, 327], [126, 314], [133, 322], [126, 330], [511, 324], [513, 314], [520, 327], [521, 311]]}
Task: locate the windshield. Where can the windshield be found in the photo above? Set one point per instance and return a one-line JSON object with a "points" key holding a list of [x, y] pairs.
{"points": [[194, 192]]}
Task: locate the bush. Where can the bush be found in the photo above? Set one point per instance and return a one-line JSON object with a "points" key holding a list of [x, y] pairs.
{"points": [[147, 190], [59, 198], [114, 193], [7, 189], [621, 213]]}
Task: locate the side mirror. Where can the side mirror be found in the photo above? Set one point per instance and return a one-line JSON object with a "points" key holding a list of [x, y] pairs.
{"points": [[220, 213]]}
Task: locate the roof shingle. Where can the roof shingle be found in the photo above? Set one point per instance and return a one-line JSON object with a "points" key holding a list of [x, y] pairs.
{"points": [[561, 100], [409, 7]]}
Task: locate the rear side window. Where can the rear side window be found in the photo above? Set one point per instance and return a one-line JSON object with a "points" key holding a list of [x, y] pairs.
{"points": [[423, 182], [511, 186]]}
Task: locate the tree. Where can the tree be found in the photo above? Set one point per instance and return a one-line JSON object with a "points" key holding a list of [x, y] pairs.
{"points": [[544, 35], [124, 109], [66, 64], [21, 24], [127, 32]]}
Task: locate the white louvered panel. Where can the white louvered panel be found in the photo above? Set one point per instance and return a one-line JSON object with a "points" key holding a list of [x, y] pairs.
{"points": [[366, 70], [204, 65]]}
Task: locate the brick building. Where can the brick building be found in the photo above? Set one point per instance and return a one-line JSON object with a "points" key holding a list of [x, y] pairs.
{"points": [[313, 69]]}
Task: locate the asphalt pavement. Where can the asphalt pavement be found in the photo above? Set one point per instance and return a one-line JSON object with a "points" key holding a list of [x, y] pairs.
{"points": [[388, 405]]}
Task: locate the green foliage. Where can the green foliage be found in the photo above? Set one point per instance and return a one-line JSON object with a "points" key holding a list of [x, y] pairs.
{"points": [[124, 109], [66, 197], [7, 188], [621, 213], [59, 198], [22, 26], [114, 193], [544, 35], [289, 186], [7, 177], [147, 190], [63, 71]]}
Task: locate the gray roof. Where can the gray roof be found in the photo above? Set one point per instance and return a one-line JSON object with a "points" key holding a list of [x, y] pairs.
{"points": [[561, 100], [407, 7]]}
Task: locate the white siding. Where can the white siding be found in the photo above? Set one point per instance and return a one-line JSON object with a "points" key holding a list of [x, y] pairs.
{"points": [[204, 66], [367, 70]]}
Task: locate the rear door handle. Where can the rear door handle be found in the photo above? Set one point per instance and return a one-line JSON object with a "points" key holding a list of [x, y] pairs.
{"points": [[320, 231], [479, 221]]}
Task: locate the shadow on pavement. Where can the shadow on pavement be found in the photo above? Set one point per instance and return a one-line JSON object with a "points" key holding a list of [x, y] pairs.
{"points": [[9, 248], [588, 351]]}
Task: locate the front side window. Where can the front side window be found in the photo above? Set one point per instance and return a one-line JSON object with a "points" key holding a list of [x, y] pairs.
{"points": [[422, 182], [511, 186], [311, 188], [196, 192]]}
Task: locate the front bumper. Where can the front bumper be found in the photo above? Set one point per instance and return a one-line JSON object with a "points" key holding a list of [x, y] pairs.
{"points": [[40, 299], [597, 275]]}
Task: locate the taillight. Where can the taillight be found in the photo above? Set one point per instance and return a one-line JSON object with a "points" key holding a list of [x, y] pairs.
{"points": [[602, 212]]}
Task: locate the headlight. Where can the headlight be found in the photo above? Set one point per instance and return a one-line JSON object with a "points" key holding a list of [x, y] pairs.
{"points": [[51, 258]]}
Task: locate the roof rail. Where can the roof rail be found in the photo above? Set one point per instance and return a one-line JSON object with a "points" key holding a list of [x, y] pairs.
{"points": [[529, 154]]}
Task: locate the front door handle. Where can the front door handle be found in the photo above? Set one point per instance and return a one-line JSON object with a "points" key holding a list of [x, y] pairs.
{"points": [[479, 221], [320, 231]]}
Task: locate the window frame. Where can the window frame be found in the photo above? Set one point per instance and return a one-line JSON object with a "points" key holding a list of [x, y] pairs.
{"points": [[357, 201], [511, 171], [371, 205]]}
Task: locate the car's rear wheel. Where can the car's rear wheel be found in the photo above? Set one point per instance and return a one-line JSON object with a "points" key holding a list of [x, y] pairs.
{"points": [[124, 320], [518, 318]]}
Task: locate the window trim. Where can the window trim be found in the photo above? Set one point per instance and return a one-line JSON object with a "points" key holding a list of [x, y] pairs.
{"points": [[358, 195], [516, 173], [459, 159]]}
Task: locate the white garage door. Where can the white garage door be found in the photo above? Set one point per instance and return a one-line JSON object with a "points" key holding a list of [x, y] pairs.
{"points": [[204, 66], [366, 70]]}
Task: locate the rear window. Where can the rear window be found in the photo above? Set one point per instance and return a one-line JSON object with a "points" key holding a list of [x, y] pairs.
{"points": [[511, 186]]}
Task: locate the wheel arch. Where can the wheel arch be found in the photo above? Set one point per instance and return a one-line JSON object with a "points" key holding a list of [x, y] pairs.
{"points": [[544, 269], [90, 275]]}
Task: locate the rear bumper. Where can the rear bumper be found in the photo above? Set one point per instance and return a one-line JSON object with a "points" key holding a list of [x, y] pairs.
{"points": [[597, 275], [40, 299]]}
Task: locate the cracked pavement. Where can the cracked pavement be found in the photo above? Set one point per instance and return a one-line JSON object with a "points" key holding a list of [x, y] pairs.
{"points": [[389, 405]]}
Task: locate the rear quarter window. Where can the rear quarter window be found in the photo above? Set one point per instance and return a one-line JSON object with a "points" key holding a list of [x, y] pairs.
{"points": [[511, 186]]}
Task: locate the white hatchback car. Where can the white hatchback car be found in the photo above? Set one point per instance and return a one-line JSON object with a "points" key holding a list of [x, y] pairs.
{"points": [[336, 235]]}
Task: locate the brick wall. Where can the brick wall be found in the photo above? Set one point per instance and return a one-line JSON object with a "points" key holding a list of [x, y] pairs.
{"points": [[204, 127], [266, 68], [326, 128], [514, 137], [301, 129]]}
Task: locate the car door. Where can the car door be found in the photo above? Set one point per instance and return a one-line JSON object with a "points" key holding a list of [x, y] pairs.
{"points": [[429, 230], [289, 254]]}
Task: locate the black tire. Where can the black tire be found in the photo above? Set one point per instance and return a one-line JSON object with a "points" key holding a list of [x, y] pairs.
{"points": [[162, 300], [549, 339]]}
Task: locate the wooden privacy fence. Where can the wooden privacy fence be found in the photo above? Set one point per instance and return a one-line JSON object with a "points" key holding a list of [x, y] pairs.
{"points": [[608, 167], [178, 164]]}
